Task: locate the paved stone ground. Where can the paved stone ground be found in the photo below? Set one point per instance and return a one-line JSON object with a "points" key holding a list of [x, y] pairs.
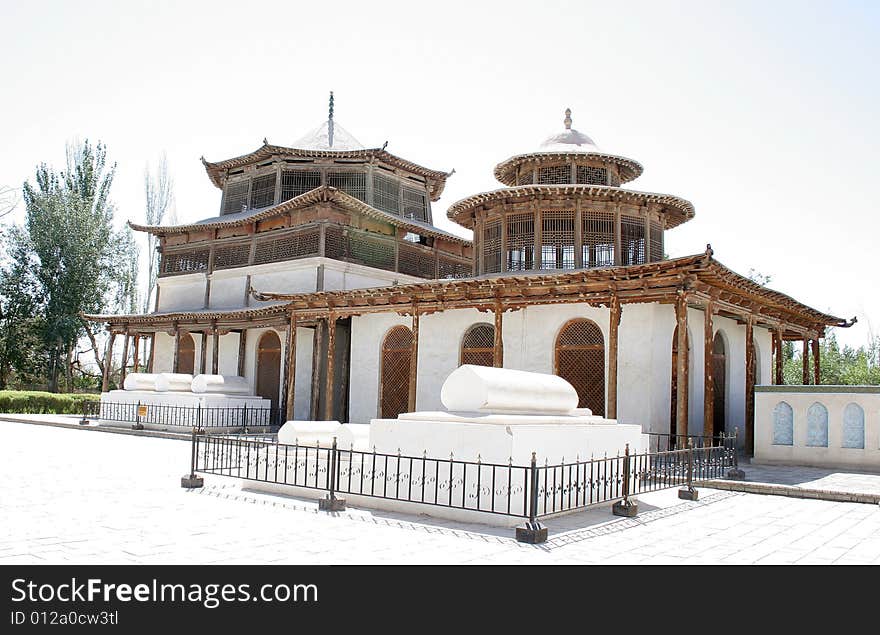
{"points": [[814, 478], [74, 497]]}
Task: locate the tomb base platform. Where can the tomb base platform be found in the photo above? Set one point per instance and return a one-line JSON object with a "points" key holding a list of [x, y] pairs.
{"points": [[184, 410]]}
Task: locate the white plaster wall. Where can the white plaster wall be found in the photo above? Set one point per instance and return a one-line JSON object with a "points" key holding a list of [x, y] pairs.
{"points": [[346, 275], [303, 388], [367, 333], [639, 394], [696, 382], [163, 361], [227, 292], [178, 293], [734, 336], [763, 356], [661, 384], [799, 453], [250, 363], [228, 346]]}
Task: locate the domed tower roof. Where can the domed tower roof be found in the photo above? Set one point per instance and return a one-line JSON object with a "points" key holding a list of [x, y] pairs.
{"points": [[571, 147], [328, 136]]}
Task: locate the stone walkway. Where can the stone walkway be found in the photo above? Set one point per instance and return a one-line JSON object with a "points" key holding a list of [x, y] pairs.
{"points": [[69, 497]]}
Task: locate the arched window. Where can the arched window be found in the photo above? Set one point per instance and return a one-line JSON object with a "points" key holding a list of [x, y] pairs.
{"points": [[817, 426], [854, 427], [269, 367], [396, 358], [186, 354], [783, 424], [719, 383], [580, 360], [478, 345]]}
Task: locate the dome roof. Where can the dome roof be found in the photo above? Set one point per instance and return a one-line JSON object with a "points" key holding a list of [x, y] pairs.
{"points": [[569, 140], [321, 138]]}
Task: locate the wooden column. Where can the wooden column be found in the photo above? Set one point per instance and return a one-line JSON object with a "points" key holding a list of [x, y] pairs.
{"points": [[414, 362], [750, 387], [108, 364], [682, 367], [331, 354], [780, 376], [152, 356], [613, 326], [708, 371], [498, 343], [817, 380], [290, 370], [124, 360], [242, 343], [175, 354], [215, 352], [805, 359], [137, 346], [318, 342], [203, 352]]}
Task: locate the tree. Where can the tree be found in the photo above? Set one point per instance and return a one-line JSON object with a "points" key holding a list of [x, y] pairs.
{"points": [[79, 262], [8, 200], [159, 195], [19, 322]]}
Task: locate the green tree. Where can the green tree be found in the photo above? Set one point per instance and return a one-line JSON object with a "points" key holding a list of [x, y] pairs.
{"points": [[79, 262]]}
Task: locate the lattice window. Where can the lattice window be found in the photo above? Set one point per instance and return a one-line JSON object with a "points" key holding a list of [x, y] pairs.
{"points": [[235, 197], [386, 194], [415, 204], [185, 261], [557, 239], [478, 345], [397, 348], [370, 250], [598, 238], [263, 191], [449, 269], [415, 262], [297, 245], [231, 256], [656, 241], [632, 240], [492, 247], [554, 174], [298, 182], [589, 175], [520, 242], [525, 177], [352, 183], [580, 360]]}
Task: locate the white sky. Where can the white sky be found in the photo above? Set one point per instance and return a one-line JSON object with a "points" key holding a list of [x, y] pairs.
{"points": [[763, 114]]}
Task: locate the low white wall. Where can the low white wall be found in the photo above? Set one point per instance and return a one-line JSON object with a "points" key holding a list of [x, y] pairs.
{"points": [[773, 447]]}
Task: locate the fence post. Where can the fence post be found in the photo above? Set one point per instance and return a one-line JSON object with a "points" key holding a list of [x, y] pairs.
{"points": [[331, 503], [191, 481], [627, 507], [199, 419], [84, 421], [532, 532], [689, 493], [137, 418], [735, 473]]}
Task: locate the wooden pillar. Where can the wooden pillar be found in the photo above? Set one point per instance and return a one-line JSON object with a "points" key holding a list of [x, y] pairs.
{"points": [[414, 362], [708, 371], [137, 346], [108, 364], [331, 353], [750, 387], [817, 380], [242, 343], [152, 356], [203, 352], [290, 370], [780, 376], [682, 367], [805, 359], [215, 352], [498, 343], [316, 370], [175, 354], [614, 324], [124, 359]]}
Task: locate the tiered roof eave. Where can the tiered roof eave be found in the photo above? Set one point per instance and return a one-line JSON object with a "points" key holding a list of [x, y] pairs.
{"points": [[505, 172]]}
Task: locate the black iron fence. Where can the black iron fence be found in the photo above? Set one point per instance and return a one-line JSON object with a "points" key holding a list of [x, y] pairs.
{"points": [[528, 491], [186, 417]]}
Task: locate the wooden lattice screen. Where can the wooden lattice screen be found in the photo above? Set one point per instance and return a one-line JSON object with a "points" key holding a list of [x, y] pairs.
{"points": [[415, 261], [269, 367], [235, 197], [589, 175], [557, 239], [520, 242], [297, 182], [580, 360], [554, 174], [185, 261], [396, 356], [656, 242], [386, 194], [492, 247], [263, 191], [598, 238], [352, 183], [415, 204], [524, 177], [231, 255], [632, 240], [478, 345], [298, 244]]}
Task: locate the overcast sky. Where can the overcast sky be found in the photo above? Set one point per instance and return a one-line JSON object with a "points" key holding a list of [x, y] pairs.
{"points": [[763, 114]]}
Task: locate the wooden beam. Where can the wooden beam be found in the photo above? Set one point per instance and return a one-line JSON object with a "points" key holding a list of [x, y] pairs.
{"points": [[108, 364], [290, 370], [203, 352], [750, 387], [817, 380], [805, 362], [124, 360], [152, 356], [318, 342], [414, 362], [682, 367], [175, 353], [242, 343], [137, 346], [498, 343], [331, 367], [215, 352], [780, 376], [708, 371], [614, 324]]}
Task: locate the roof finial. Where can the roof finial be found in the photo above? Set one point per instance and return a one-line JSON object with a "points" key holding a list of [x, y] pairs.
{"points": [[330, 123], [567, 119]]}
